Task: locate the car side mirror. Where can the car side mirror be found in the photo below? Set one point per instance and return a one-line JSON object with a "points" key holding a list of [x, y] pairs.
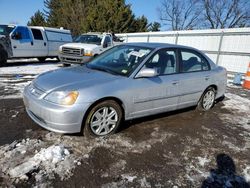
{"points": [[16, 36], [147, 73], [105, 45]]}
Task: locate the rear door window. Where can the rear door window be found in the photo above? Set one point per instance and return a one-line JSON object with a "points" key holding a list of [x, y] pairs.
{"points": [[107, 40], [192, 61], [37, 34]]}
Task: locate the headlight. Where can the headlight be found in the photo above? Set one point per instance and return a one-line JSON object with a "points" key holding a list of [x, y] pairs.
{"points": [[88, 53], [62, 97], [60, 49]]}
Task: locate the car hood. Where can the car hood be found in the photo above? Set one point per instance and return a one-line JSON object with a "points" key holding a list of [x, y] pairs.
{"points": [[77, 77], [80, 45]]}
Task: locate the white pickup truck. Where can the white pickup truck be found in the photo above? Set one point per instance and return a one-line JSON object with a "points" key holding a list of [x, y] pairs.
{"points": [[85, 47], [31, 42]]}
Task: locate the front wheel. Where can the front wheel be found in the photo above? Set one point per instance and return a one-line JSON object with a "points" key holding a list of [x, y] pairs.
{"points": [[3, 57], [207, 100], [103, 119], [66, 64], [41, 59]]}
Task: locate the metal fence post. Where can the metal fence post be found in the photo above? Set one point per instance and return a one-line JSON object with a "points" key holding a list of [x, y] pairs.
{"points": [[148, 38], [219, 48], [176, 38]]}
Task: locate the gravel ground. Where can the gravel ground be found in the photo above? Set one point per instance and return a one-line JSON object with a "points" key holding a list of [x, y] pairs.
{"points": [[185, 148]]}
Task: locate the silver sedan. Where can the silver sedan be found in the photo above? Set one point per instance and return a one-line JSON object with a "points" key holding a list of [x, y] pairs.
{"points": [[126, 82]]}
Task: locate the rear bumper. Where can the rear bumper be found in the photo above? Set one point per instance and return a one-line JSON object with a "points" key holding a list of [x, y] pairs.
{"points": [[74, 59], [54, 117]]}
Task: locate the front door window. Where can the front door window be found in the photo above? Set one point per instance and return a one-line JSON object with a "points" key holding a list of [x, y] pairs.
{"points": [[23, 34], [164, 61]]}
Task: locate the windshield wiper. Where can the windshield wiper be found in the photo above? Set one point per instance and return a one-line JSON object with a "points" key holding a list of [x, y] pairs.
{"points": [[103, 70]]}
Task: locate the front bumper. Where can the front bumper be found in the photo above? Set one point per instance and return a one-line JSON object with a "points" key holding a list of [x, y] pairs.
{"points": [[61, 119], [74, 59]]}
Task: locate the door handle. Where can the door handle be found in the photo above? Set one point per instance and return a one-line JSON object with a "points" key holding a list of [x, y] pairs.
{"points": [[207, 77], [14, 46], [175, 82], [44, 44], [31, 43]]}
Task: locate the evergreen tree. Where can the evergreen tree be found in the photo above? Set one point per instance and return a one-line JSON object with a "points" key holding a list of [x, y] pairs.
{"points": [[140, 24], [110, 15], [38, 19], [93, 15], [155, 26], [70, 14]]}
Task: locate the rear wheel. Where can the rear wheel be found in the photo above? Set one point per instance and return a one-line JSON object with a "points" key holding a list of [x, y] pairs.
{"points": [[207, 100], [3, 57], [103, 119], [41, 59]]}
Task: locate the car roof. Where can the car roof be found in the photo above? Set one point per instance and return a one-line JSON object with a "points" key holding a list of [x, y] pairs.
{"points": [[157, 45]]}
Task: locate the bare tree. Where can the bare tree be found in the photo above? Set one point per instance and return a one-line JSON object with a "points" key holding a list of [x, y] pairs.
{"points": [[180, 14], [226, 13]]}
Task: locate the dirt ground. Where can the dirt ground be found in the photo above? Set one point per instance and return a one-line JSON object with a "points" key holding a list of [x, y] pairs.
{"points": [[185, 148]]}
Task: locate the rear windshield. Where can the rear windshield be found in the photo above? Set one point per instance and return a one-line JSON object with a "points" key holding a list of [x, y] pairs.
{"points": [[6, 29]]}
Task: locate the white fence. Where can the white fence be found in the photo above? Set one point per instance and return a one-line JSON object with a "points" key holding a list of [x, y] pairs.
{"points": [[226, 47]]}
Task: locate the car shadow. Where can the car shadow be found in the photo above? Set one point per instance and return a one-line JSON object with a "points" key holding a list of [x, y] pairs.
{"points": [[126, 124], [225, 175]]}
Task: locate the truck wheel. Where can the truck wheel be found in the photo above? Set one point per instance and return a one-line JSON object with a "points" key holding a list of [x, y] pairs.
{"points": [[58, 59], [41, 59], [66, 64], [3, 57]]}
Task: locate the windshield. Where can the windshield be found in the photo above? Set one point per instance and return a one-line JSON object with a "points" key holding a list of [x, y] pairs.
{"points": [[121, 60], [89, 39], [6, 30]]}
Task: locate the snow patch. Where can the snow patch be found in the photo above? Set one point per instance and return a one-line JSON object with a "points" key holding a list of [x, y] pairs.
{"points": [[240, 109], [237, 103], [13, 79], [202, 161], [15, 114], [246, 173], [233, 85], [29, 69], [144, 182], [128, 177], [52, 154], [47, 157], [37, 158]]}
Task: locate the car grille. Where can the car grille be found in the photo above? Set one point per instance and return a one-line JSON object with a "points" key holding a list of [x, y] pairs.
{"points": [[35, 91], [72, 51]]}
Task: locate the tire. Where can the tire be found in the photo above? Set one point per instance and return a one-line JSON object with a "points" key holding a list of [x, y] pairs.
{"points": [[103, 119], [3, 57], [58, 59], [220, 99], [66, 64], [207, 100], [41, 59]]}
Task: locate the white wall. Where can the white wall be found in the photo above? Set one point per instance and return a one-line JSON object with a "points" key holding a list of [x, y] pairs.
{"points": [[226, 47]]}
